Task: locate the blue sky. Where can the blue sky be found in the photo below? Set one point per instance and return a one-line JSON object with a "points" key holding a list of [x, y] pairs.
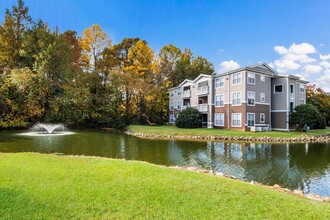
{"points": [[292, 36]]}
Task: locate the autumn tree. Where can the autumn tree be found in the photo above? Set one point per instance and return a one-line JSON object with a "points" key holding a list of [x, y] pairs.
{"points": [[93, 42], [16, 22], [318, 98], [140, 70]]}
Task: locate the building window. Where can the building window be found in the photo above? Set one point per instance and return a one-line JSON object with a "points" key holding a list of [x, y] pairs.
{"points": [[179, 92], [250, 119], [237, 78], [171, 93], [236, 120], [236, 98], [278, 89], [178, 104], [291, 89], [219, 119], [251, 78], [219, 100], [251, 98], [171, 118], [262, 78], [302, 101], [291, 106], [171, 105], [302, 88], [219, 82], [262, 117], [262, 97]]}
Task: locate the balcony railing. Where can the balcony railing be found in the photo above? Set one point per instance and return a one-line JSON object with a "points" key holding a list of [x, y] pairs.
{"points": [[203, 107], [185, 106], [203, 90], [186, 94]]}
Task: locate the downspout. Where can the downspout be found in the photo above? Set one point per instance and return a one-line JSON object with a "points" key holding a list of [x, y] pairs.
{"points": [[212, 102], [287, 104]]}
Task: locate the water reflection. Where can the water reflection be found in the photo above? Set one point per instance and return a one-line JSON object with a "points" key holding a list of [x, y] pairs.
{"points": [[295, 166]]}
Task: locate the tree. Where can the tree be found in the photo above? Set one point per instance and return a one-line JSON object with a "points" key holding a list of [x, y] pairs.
{"points": [[168, 57], [140, 68], [93, 42], [188, 118], [16, 23], [306, 115], [318, 98], [19, 98]]}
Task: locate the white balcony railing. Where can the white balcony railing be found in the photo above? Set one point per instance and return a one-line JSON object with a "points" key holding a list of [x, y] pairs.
{"points": [[203, 90], [291, 97], [203, 107], [186, 94]]}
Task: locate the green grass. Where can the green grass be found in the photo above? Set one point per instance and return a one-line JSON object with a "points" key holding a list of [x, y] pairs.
{"points": [[173, 130], [36, 186]]}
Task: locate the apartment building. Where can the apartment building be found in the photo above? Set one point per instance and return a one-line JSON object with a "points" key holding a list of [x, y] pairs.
{"points": [[248, 98]]}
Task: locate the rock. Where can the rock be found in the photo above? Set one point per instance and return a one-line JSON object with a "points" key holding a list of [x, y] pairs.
{"points": [[218, 174], [298, 192], [276, 186], [326, 199]]}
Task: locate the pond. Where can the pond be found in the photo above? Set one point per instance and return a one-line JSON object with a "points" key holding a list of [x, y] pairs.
{"points": [[294, 166]]}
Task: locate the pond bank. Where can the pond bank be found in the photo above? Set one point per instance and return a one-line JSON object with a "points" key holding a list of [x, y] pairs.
{"points": [[258, 138], [276, 187], [89, 187]]}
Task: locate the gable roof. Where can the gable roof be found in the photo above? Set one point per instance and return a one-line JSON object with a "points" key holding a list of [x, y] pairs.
{"points": [[262, 68]]}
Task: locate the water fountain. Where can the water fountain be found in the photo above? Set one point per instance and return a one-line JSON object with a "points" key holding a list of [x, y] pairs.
{"points": [[50, 128], [46, 129]]}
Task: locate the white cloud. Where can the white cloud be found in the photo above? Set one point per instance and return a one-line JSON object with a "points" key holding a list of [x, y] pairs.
{"points": [[325, 64], [303, 48], [280, 50], [285, 65], [228, 65], [324, 81], [325, 57], [294, 57], [312, 69]]}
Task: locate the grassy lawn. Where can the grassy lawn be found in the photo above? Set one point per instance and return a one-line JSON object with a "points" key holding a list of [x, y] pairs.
{"points": [[36, 186], [173, 130]]}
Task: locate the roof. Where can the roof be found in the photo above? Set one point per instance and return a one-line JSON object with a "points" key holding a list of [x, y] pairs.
{"points": [[262, 68]]}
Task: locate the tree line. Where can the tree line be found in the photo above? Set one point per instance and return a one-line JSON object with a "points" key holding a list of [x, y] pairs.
{"points": [[85, 80]]}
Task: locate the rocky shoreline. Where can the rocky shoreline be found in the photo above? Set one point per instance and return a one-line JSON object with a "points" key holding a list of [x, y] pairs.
{"points": [[275, 187], [304, 139]]}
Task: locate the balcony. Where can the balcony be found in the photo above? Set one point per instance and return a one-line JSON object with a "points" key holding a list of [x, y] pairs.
{"points": [[186, 94], [203, 107], [203, 90]]}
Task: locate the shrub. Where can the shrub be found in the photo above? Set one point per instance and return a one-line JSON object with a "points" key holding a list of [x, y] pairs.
{"points": [[306, 115], [188, 118]]}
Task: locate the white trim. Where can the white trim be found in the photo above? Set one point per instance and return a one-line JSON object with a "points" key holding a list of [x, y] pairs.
{"points": [[247, 118], [254, 99], [223, 117], [236, 126], [264, 96], [279, 110], [278, 92], [262, 103], [264, 118], [261, 75], [240, 92], [254, 78], [232, 78], [302, 100]]}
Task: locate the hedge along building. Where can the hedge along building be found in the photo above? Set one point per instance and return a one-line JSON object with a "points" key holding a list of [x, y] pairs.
{"points": [[248, 98]]}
